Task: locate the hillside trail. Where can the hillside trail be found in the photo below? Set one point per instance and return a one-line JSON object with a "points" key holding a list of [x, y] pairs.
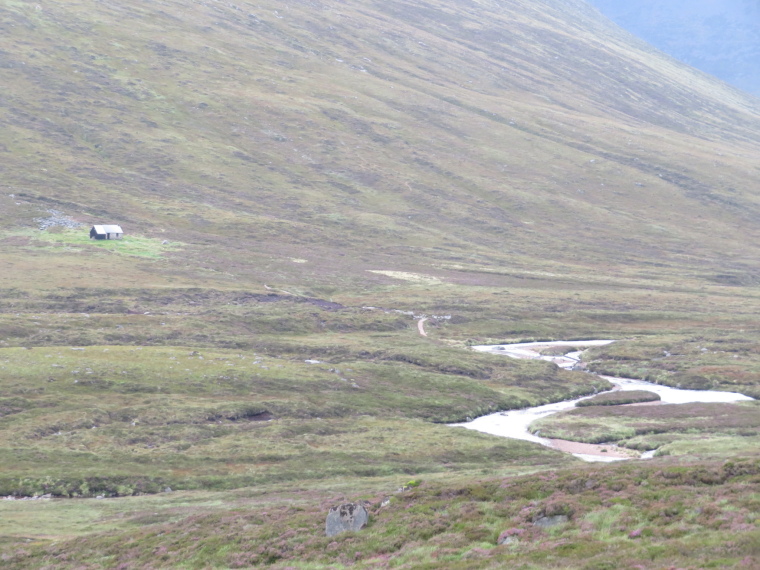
{"points": [[515, 423]]}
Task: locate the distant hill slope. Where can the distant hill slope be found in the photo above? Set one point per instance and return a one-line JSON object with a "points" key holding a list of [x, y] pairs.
{"points": [[371, 135], [717, 37]]}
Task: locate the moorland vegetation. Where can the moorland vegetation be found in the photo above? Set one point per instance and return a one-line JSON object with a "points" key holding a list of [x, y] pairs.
{"points": [[300, 183]]}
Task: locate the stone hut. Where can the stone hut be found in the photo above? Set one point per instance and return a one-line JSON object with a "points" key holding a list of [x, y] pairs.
{"points": [[106, 232]]}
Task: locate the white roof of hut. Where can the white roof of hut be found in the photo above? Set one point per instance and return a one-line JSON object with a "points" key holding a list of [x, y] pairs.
{"points": [[108, 229]]}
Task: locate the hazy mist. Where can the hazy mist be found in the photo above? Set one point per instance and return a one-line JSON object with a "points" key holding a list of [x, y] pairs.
{"points": [[720, 37]]}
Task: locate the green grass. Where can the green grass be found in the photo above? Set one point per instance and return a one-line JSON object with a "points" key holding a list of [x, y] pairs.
{"points": [[123, 420], [134, 245]]}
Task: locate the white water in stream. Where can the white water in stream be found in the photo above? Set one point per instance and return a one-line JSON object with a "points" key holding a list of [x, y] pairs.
{"points": [[514, 424]]}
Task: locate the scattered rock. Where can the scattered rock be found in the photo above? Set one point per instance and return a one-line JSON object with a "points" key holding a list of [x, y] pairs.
{"points": [[57, 219], [349, 517], [548, 522], [168, 490]]}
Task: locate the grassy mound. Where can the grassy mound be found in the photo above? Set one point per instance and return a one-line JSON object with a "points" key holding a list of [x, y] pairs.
{"points": [[619, 398]]}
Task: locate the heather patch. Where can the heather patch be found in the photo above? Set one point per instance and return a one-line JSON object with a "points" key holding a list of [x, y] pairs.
{"points": [[653, 514]]}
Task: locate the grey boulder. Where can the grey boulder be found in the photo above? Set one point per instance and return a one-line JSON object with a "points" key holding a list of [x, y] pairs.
{"points": [[548, 522], [346, 518]]}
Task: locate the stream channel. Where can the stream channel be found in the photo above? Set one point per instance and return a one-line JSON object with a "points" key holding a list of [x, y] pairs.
{"points": [[514, 423]]}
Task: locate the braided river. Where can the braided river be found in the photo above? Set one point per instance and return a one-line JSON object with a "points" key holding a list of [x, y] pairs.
{"points": [[515, 423]]}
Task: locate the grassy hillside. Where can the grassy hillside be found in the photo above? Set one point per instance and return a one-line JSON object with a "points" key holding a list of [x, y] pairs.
{"points": [[371, 136], [301, 184]]}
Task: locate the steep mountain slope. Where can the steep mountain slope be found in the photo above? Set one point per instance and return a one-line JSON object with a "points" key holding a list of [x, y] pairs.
{"points": [[717, 37], [374, 135]]}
